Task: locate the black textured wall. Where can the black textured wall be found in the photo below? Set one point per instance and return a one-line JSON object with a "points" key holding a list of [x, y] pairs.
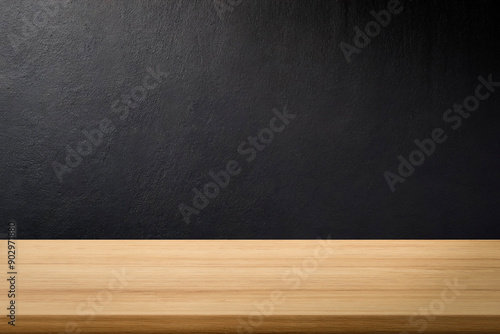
{"points": [[113, 114]]}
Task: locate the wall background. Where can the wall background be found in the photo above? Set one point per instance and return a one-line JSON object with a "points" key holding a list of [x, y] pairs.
{"points": [[323, 174]]}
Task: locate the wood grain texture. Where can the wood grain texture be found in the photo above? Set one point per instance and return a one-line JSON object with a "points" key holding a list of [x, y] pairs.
{"points": [[259, 286]]}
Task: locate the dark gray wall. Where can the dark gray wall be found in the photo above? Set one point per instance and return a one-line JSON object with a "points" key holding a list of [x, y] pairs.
{"points": [[65, 68]]}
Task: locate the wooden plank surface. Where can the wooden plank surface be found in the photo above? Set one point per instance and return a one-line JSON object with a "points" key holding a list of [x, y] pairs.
{"points": [[254, 286]]}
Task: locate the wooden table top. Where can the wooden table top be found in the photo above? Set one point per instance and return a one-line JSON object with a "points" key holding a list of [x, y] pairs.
{"points": [[254, 286]]}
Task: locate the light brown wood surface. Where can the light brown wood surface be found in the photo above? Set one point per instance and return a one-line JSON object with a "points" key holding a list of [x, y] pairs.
{"points": [[215, 286]]}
